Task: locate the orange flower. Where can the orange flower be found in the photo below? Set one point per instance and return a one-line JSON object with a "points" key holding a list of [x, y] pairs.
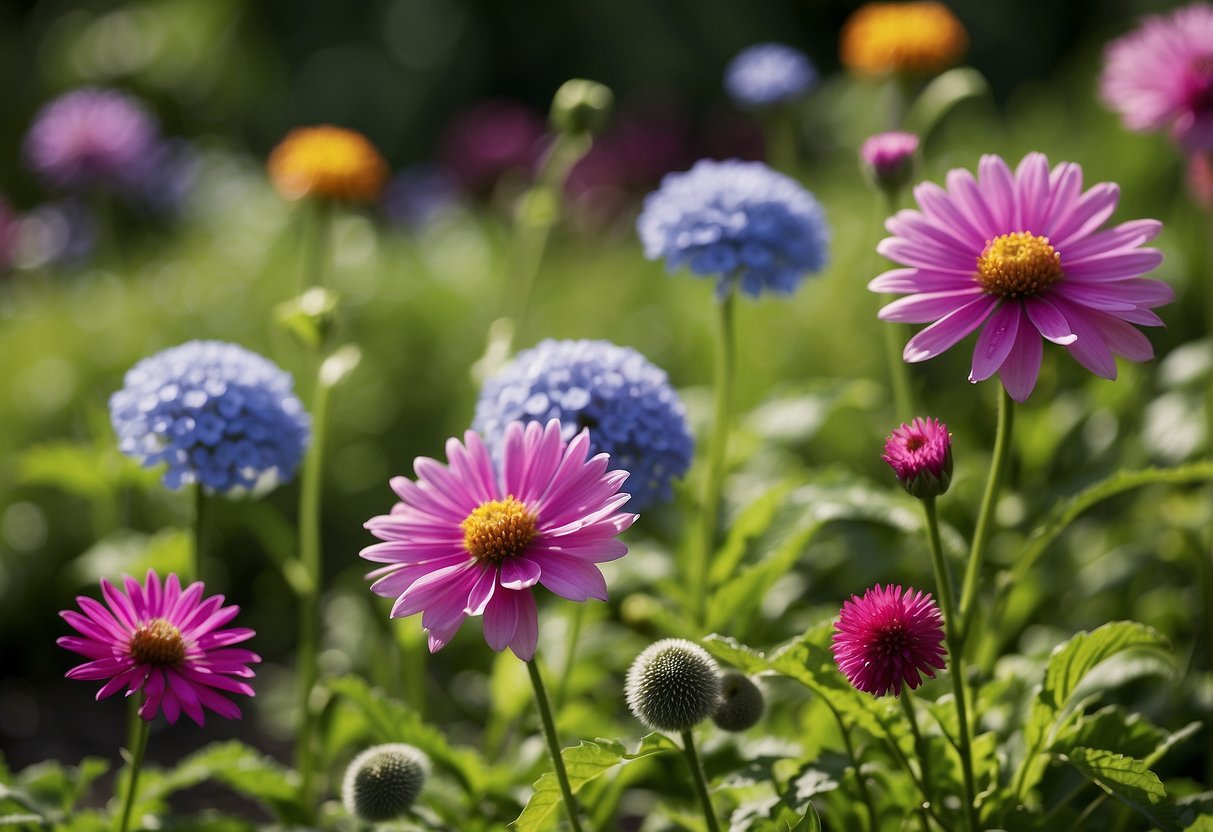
{"points": [[918, 38], [329, 162]]}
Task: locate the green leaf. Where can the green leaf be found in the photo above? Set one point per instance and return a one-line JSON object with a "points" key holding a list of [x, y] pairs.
{"points": [[811, 822], [1128, 780], [1065, 512], [728, 649], [795, 415], [1204, 823], [1111, 729], [20, 820], [751, 522], [942, 95], [133, 553], [88, 471], [584, 762]]}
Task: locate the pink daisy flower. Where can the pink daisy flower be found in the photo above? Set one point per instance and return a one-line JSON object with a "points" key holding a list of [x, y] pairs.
{"points": [[465, 540], [1022, 253], [888, 638], [165, 643], [920, 453], [1160, 76]]}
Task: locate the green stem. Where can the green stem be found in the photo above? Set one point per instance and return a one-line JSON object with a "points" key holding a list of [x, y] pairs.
{"points": [[864, 794], [316, 244], [701, 781], [985, 518], [894, 334], [309, 592], [943, 584], [138, 733], [198, 551], [576, 619], [549, 730], [709, 512], [924, 758], [904, 762], [779, 134]]}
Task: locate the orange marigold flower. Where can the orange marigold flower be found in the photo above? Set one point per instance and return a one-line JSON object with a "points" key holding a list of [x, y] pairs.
{"points": [[917, 38], [327, 161]]}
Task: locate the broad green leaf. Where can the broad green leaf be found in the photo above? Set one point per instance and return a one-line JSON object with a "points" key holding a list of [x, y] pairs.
{"points": [[1111, 729], [796, 415], [1128, 780], [1065, 512], [728, 649], [1204, 823], [751, 522], [584, 762], [133, 553], [942, 95], [811, 822], [21, 820]]}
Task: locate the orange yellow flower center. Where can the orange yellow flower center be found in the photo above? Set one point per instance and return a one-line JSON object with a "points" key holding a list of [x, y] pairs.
{"points": [[158, 643], [498, 529], [1017, 265], [329, 162], [916, 38]]}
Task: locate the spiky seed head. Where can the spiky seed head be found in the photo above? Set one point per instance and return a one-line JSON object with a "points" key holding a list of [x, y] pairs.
{"points": [[673, 685], [741, 702], [383, 781]]}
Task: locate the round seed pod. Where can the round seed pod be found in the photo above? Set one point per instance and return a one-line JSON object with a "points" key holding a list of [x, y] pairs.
{"points": [[741, 703], [673, 685], [383, 781]]}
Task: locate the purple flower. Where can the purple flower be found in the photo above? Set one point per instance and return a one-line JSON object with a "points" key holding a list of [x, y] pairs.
{"points": [[90, 137], [1160, 76], [418, 195], [492, 139], [767, 74], [164, 643], [921, 455], [467, 540], [888, 638], [1022, 253], [889, 158]]}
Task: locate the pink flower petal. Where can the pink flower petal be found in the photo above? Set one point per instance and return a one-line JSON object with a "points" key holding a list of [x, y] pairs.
{"points": [[1021, 368], [501, 618], [1049, 321], [527, 634], [948, 330], [571, 578], [482, 591], [996, 339], [997, 188], [928, 306], [1032, 190], [1090, 211], [519, 573], [897, 281]]}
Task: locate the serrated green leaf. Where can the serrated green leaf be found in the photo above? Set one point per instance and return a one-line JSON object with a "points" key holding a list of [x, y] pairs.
{"points": [[1112, 729], [810, 822], [584, 762], [1128, 780], [1066, 511], [728, 649], [752, 521]]}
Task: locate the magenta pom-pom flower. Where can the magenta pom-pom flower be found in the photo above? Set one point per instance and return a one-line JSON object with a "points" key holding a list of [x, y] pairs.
{"points": [[889, 638], [1022, 253], [920, 453], [467, 540], [1160, 76], [164, 643]]}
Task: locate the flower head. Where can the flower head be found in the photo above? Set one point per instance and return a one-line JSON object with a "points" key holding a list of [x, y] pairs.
{"points": [[921, 455], [626, 402], [888, 159], [917, 38], [1022, 253], [1160, 76], [673, 685], [740, 222], [741, 702], [383, 782], [491, 139], [888, 638], [329, 162], [165, 643], [90, 137], [468, 540], [581, 107], [218, 414], [767, 74]]}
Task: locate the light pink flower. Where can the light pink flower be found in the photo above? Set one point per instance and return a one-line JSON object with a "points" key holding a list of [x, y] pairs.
{"points": [[165, 643], [467, 540], [1022, 253], [888, 638], [1160, 76]]}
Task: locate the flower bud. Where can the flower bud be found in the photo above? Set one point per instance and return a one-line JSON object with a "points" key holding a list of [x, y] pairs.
{"points": [[921, 455], [673, 685], [741, 703], [581, 107], [888, 160], [310, 316], [383, 781]]}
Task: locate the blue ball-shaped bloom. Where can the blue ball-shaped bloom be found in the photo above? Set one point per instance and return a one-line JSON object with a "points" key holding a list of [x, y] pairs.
{"points": [[769, 74], [625, 400], [218, 414], [739, 221]]}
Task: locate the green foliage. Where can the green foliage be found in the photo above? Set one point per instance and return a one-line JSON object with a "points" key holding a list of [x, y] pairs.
{"points": [[1129, 781]]}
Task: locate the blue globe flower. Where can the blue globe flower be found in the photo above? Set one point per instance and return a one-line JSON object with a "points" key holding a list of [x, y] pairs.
{"points": [[626, 401], [739, 221], [218, 414], [769, 74]]}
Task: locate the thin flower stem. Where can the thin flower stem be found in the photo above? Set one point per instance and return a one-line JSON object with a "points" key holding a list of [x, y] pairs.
{"points": [[905, 764], [726, 361], [924, 759], [576, 619], [864, 794], [943, 583], [701, 781], [309, 592], [899, 374], [316, 244], [985, 519], [198, 550], [779, 138], [138, 742], [549, 730]]}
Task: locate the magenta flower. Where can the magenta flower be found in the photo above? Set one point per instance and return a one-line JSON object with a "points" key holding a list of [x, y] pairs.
{"points": [[465, 540], [1160, 76], [1021, 253], [165, 643], [921, 455], [889, 158], [888, 638]]}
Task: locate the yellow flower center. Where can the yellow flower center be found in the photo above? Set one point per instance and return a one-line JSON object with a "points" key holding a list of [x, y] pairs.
{"points": [[498, 529], [916, 38], [329, 162], [1018, 264], [158, 643]]}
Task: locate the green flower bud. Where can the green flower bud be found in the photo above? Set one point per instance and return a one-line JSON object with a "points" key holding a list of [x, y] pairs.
{"points": [[581, 107], [673, 685], [741, 703], [383, 781]]}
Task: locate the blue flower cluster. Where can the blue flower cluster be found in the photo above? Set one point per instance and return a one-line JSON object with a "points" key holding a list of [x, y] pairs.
{"points": [[626, 401], [739, 221], [218, 414], [769, 74]]}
